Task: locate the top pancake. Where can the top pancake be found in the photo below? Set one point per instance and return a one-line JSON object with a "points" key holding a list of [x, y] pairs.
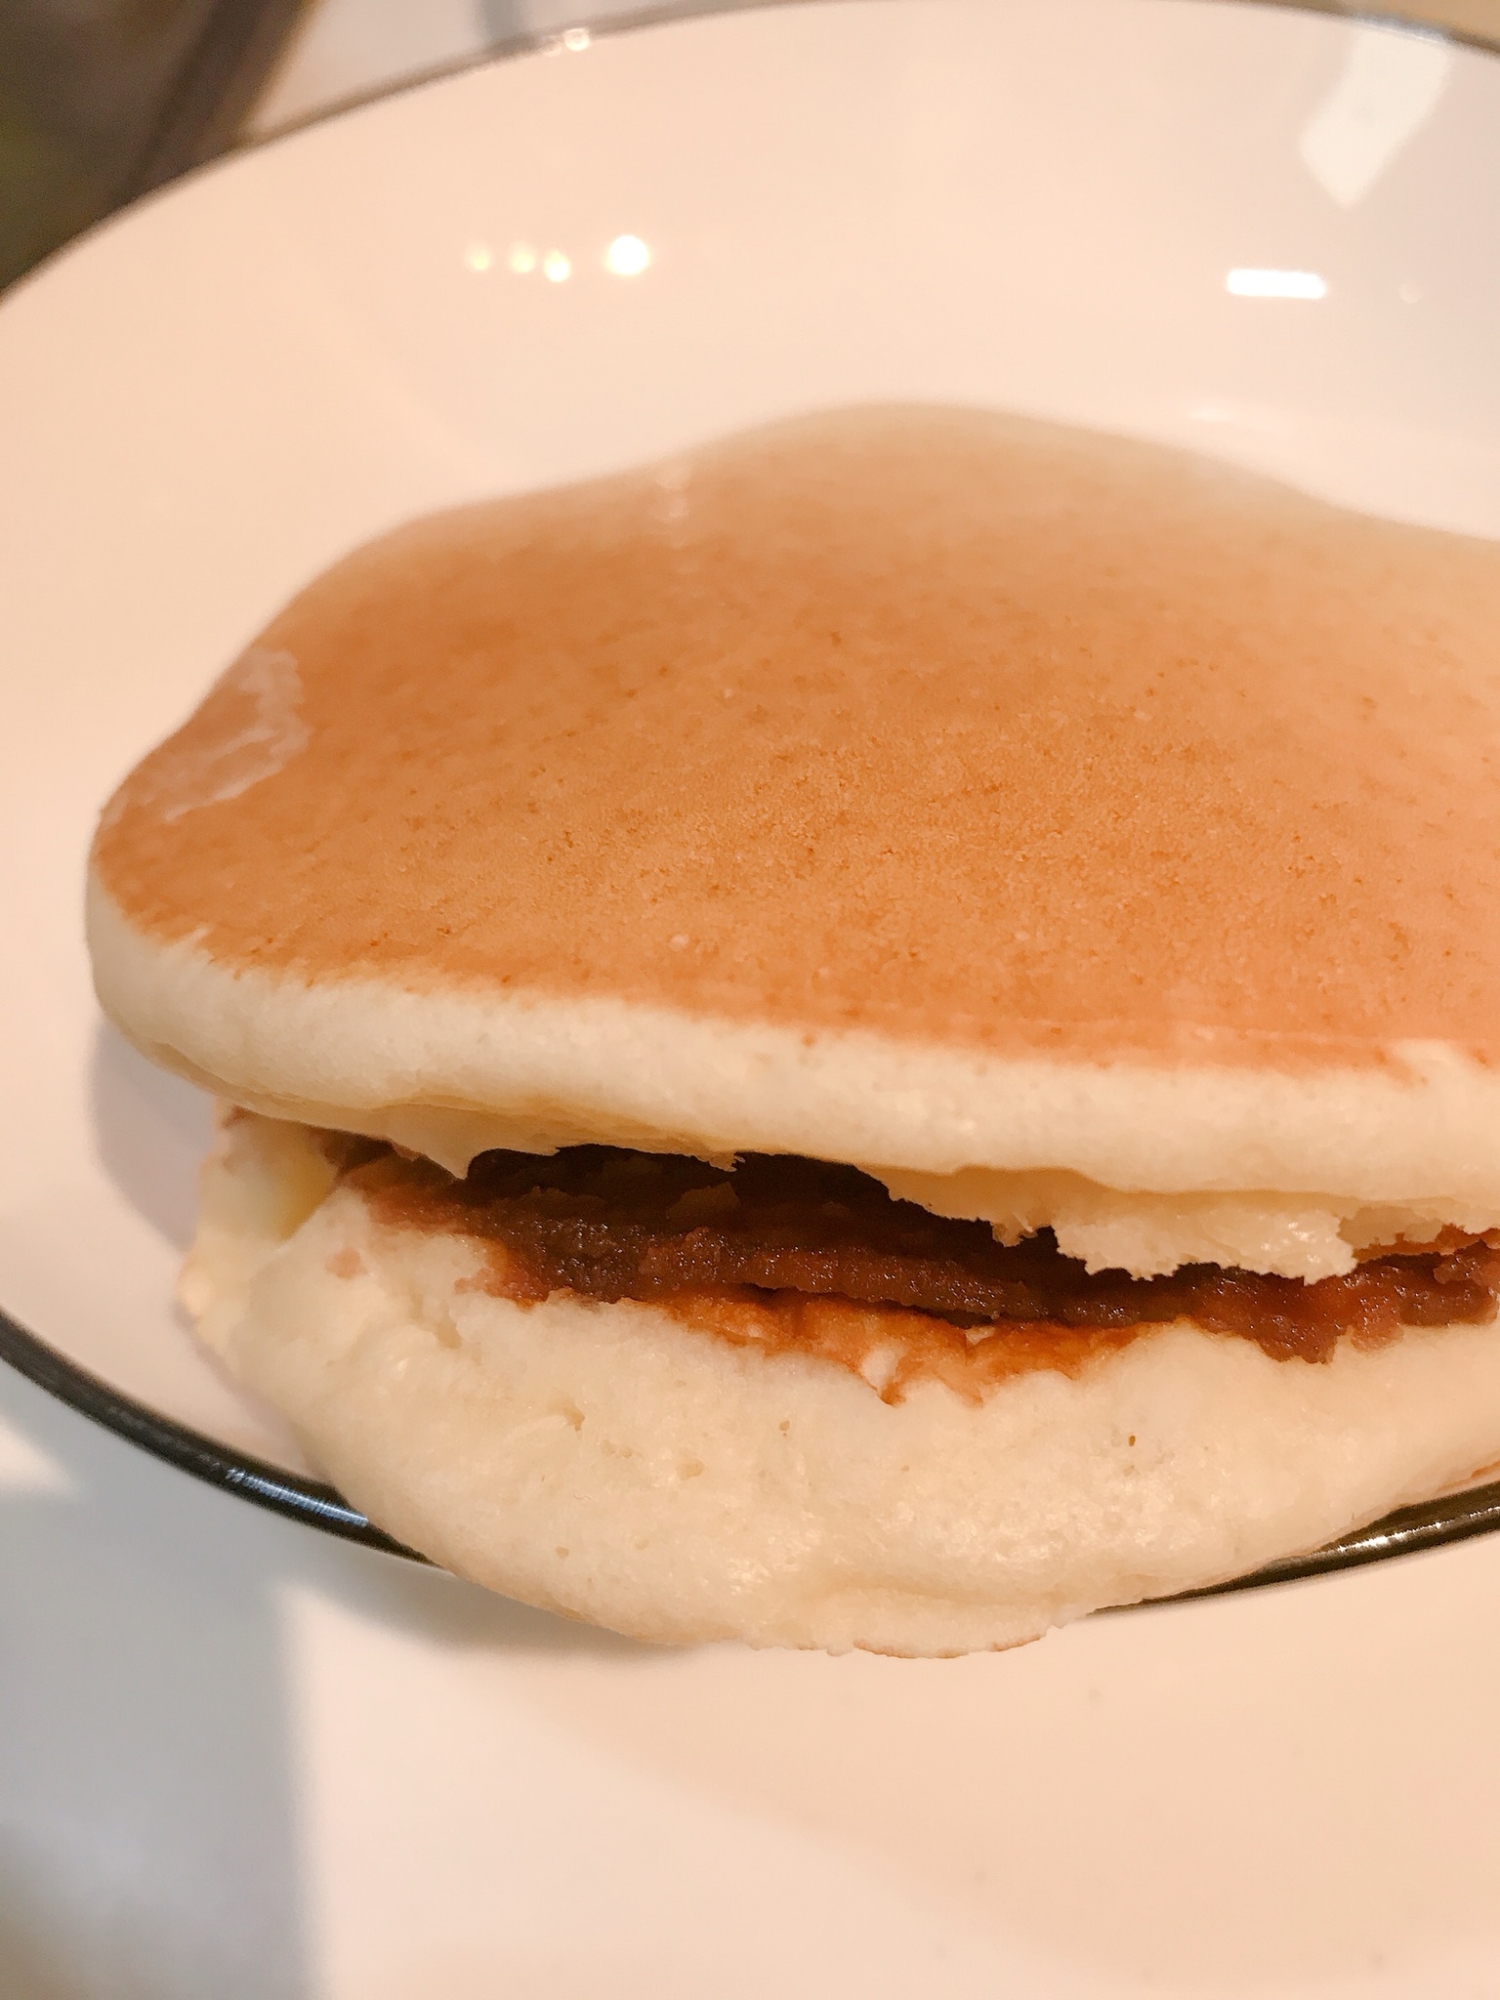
{"points": [[970, 733]]}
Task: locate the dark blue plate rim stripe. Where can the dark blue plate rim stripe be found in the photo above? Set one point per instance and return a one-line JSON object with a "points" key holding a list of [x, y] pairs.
{"points": [[253, 1479]]}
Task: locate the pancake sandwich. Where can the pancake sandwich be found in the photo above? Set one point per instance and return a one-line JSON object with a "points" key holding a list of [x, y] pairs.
{"points": [[880, 1035]]}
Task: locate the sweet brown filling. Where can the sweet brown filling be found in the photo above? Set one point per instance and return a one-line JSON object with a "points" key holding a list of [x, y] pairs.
{"points": [[803, 1252]]}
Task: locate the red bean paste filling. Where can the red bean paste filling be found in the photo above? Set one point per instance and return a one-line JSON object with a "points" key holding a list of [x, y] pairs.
{"points": [[606, 1223]]}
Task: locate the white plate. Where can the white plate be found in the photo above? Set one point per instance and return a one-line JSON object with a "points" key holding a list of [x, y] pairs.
{"points": [[1035, 205], [1039, 204], [1032, 205]]}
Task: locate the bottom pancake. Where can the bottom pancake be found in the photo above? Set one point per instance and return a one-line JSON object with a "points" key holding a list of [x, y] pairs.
{"points": [[684, 1479]]}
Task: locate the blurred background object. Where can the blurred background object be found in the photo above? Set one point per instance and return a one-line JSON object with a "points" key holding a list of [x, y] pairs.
{"points": [[348, 48], [102, 100]]}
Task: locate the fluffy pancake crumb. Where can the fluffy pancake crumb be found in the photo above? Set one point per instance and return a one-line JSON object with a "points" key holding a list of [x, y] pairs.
{"points": [[707, 1488]]}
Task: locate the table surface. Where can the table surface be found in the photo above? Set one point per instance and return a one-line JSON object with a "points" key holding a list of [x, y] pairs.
{"points": [[244, 1760]]}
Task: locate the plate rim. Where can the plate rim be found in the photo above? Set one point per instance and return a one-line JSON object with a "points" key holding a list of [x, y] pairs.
{"points": [[1409, 1530], [273, 1487], [506, 48]]}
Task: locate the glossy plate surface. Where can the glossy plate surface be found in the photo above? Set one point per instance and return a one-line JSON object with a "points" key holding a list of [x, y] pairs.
{"points": [[1259, 233]]}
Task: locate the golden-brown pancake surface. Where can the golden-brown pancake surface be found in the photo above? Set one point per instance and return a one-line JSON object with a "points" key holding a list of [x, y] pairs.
{"points": [[965, 729]]}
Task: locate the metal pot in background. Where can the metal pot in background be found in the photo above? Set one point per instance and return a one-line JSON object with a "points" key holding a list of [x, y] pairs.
{"points": [[102, 99]]}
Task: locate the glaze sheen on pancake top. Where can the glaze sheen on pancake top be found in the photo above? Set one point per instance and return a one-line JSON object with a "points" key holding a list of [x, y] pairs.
{"points": [[947, 724]]}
